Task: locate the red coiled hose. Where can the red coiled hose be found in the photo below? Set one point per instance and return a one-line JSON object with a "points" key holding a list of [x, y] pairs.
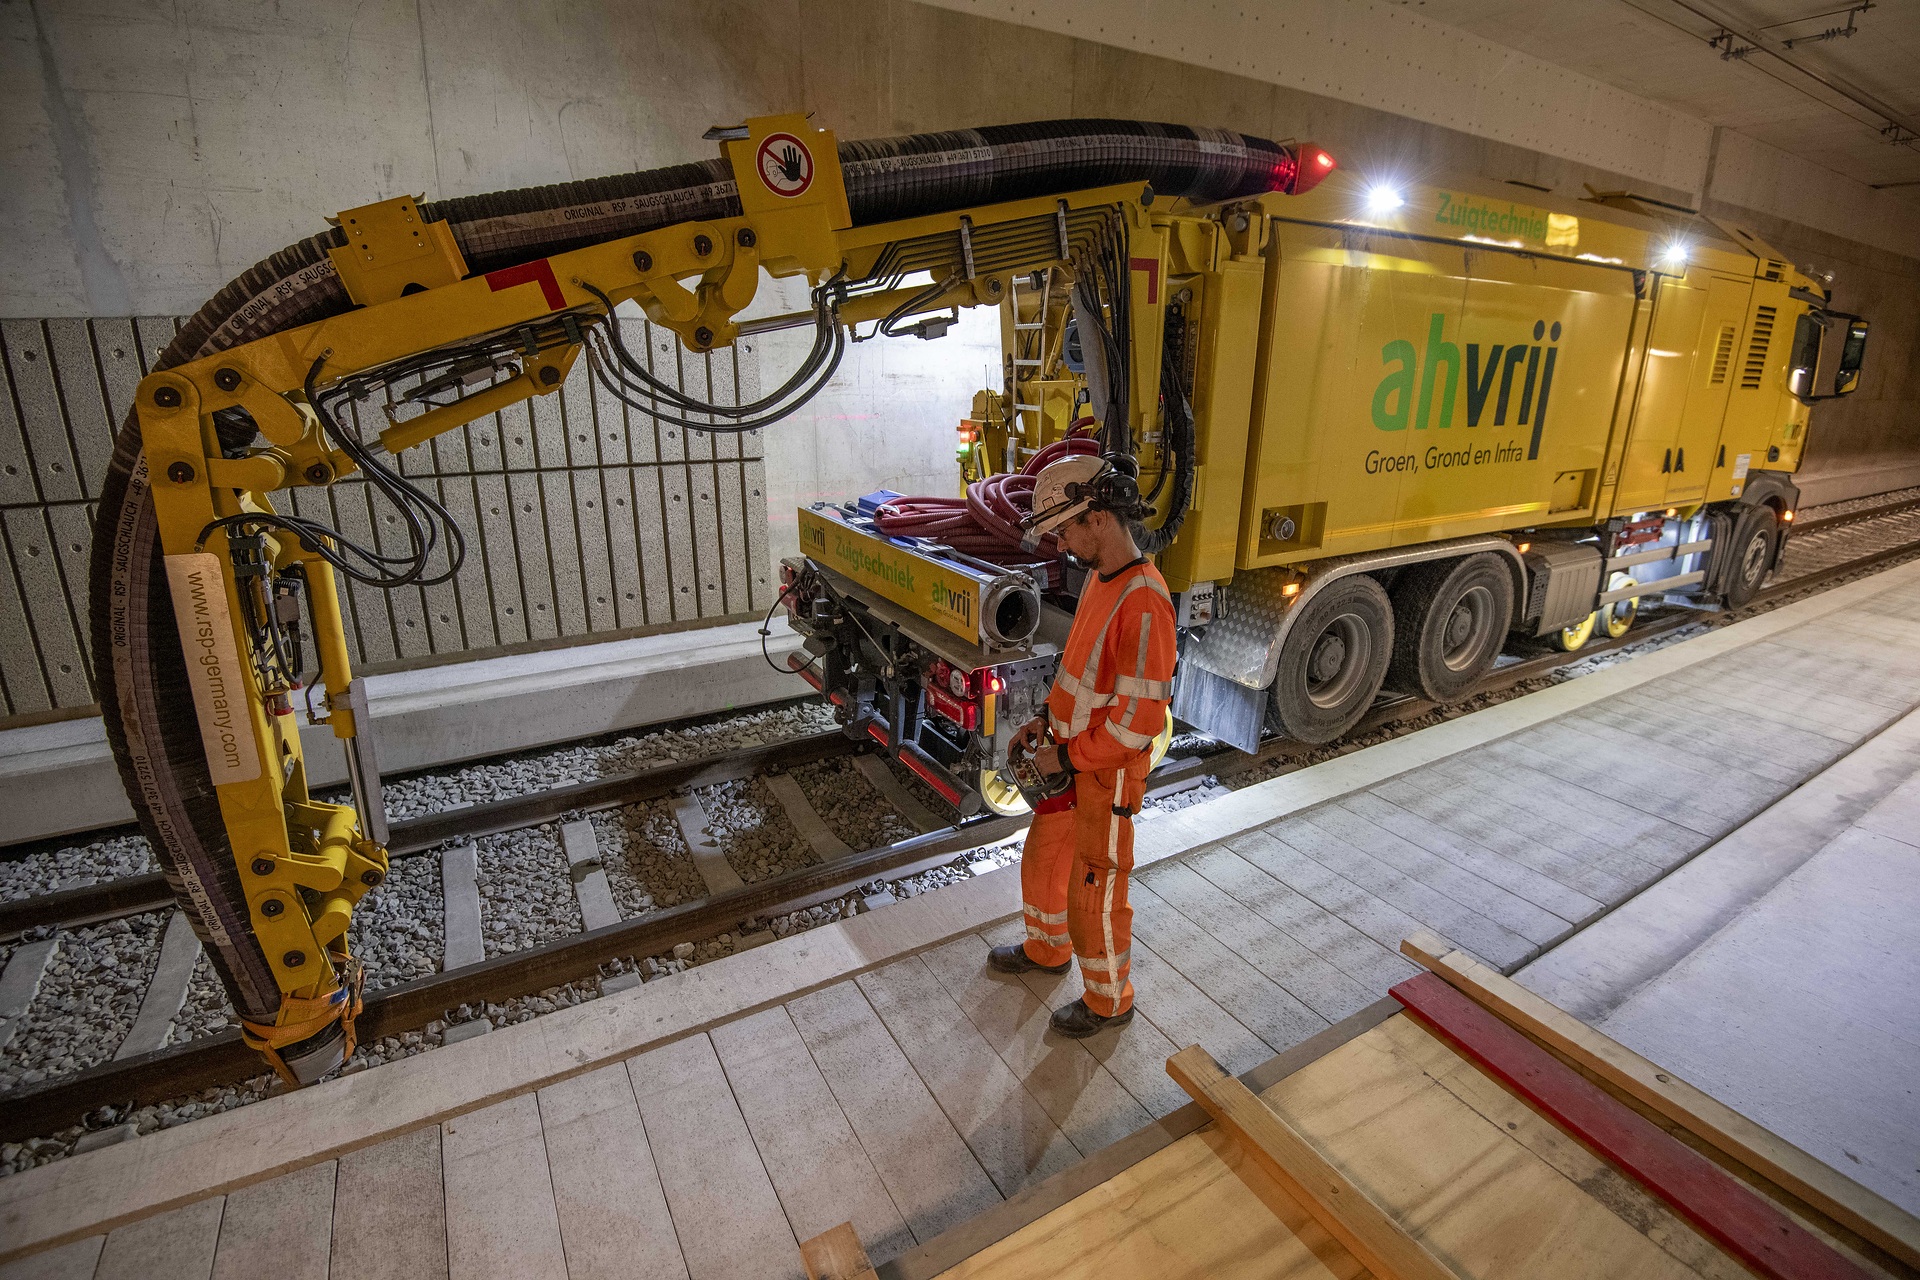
{"points": [[985, 523]]}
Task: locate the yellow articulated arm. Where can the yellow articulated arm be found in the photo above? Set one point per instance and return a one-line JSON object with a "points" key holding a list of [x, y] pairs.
{"points": [[441, 348]]}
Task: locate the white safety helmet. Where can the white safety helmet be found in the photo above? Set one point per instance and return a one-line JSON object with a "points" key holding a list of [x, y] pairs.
{"points": [[1061, 491]]}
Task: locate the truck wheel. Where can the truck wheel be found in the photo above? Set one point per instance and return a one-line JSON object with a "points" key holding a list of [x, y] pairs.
{"points": [[1333, 660], [1752, 545], [1450, 618]]}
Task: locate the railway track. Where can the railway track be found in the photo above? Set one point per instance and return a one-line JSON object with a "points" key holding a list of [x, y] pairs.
{"points": [[108, 1090]]}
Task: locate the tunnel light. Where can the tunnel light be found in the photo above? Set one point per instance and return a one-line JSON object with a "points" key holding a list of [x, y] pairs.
{"points": [[1291, 589], [1675, 255], [1383, 199]]}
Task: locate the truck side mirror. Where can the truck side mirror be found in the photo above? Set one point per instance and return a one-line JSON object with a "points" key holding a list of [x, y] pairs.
{"points": [[1853, 353]]}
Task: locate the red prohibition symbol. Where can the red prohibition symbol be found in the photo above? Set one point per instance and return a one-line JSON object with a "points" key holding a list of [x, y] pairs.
{"points": [[786, 166]]}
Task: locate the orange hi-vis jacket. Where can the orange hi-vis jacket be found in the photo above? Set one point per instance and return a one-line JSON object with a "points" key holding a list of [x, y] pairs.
{"points": [[1110, 696]]}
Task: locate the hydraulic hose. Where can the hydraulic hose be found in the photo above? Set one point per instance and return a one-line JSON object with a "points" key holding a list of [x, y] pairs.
{"points": [[139, 670]]}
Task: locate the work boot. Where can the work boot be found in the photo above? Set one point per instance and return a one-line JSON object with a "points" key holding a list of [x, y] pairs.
{"points": [[1077, 1022], [1014, 959]]}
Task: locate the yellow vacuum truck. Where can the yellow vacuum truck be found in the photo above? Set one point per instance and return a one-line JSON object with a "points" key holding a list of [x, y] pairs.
{"points": [[1384, 427]]}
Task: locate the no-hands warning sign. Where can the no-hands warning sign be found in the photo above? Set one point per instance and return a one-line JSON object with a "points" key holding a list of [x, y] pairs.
{"points": [[786, 166]]}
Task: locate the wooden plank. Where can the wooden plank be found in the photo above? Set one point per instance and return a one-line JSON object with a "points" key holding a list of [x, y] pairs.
{"points": [[895, 793], [1474, 893], [1081, 1096], [501, 561], [282, 1227], [460, 909], [708, 859], [818, 1167], [725, 1212], [1255, 1001], [606, 1191], [41, 416], [389, 1210], [166, 990], [1183, 1011], [1388, 884], [1005, 1126], [1313, 981], [806, 820], [589, 509], [532, 554], [1842, 1199], [1238, 875], [1136, 1055], [836, 1255], [1716, 1203], [501, 1218], [590, 889], [1566, 904], [1346, 1211], [933, 1177], [1457, 819], [1385, 923], [175, 1245], [77, 1260], [55, 633]]}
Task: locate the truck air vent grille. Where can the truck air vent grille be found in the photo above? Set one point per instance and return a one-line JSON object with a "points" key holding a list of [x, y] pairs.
{"points": [[1756, 366], [1722, 355], [1776, 270]]}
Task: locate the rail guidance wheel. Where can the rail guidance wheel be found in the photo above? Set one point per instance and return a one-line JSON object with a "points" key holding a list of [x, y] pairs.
{"points": [[1569, 639], [1450, 618], [1333, 659], [1002, 797], [1618, 616], [1751, 546]]}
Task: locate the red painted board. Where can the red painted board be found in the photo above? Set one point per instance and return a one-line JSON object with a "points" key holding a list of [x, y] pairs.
{"points": [[1722, 1207]]}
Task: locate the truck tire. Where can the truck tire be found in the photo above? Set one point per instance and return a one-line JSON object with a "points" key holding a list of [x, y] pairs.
{"points": [[1450, 618], [1333, 660], [1755, 537]]}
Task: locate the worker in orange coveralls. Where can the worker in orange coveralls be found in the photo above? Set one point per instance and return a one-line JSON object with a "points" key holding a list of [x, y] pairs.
{"points": [[1108, 701]]}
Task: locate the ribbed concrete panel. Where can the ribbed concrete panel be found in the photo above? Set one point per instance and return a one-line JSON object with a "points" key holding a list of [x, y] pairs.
{"points": [[583, 517]]}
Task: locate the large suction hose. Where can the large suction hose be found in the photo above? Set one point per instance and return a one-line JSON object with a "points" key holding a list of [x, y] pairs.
{"points": [[139, 670]]}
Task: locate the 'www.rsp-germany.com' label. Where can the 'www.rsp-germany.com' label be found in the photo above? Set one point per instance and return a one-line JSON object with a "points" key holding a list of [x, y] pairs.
{"points": [[213, 666]]}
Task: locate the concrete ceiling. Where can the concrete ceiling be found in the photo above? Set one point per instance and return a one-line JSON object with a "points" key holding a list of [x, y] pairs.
{"points": [[1659, 50]]}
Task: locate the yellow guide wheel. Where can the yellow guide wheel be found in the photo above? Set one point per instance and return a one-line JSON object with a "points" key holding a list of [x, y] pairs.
{"points": [[1567, 639], [1619, 615], [1003, 798]]}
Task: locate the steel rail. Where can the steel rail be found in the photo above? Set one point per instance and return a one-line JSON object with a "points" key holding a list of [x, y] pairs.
{"points": [[221, 1058]]}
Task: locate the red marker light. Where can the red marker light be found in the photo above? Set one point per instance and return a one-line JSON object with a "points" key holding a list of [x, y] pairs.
{"points": [[1314, 164], [994, 683]]}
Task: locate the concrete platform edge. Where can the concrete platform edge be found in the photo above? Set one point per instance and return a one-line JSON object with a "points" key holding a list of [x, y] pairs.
{"points": [[59, 779], [85, 1194]]}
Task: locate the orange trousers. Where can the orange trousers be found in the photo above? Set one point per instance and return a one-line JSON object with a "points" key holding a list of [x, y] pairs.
{"points": [[1073, 884]]}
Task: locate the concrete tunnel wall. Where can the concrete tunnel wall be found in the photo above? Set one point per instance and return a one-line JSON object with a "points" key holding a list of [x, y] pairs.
{"points": [[154, 152]]}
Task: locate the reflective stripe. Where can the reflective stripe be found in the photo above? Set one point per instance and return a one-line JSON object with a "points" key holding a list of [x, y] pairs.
{"points": [[1108, 965], [1135, 687], [1128, 738], [1035, 934], [1045, 917], [1111, 990]]}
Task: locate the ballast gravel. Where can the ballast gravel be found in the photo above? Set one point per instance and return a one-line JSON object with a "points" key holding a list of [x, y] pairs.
{"points": [[850, 806], [647, 864], [752, 829], [206, 1010], [89, 996], [45, 870], [398, 931], [546, 768], [526, 890]]}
